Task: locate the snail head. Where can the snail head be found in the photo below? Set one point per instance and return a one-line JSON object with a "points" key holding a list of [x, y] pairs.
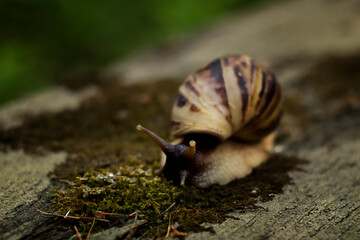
{"points": [[179, 157]]}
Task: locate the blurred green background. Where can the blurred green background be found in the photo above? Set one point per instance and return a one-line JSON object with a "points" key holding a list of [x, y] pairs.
{"points": [[45, 41]]}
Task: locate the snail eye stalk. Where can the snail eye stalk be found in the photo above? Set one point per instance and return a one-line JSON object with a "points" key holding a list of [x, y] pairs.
{"points": [[166, 147], [190, 152]]}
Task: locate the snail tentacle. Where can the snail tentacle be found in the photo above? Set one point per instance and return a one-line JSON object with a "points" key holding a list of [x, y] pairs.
{"points": [[190, 152], [166, 147]]}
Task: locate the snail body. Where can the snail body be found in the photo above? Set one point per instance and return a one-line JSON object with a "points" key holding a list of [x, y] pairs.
{"points": [[223, 121]]}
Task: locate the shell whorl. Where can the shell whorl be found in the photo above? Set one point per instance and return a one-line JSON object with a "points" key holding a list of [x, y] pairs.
{"points": [[230, 97]]}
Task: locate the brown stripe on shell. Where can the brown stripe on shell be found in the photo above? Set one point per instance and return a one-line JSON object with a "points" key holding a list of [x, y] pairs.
{"points": [[190, 86], [275, 102], [267, 109], [216, 71], [270, 89], [252, 71], [219, 84], [269, 127], [243, 89], [255, 129], [181, 100], [258, 133], [263, 84], [221, 91]]}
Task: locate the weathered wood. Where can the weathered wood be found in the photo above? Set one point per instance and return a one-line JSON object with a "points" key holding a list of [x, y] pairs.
{"points": [[323, 202]]}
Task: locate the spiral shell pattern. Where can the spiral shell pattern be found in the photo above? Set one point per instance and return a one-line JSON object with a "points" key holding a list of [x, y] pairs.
{"points": [[231, 97]]}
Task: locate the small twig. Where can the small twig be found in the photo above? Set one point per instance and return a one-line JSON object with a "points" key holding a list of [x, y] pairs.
{"points": [[173, 204], [77, 233], [68, 212], [132, 227], [71, 217], [92, 225], [169, 228], [131, 233], [177, 233], [133, 214], [102, 215], [111, 214]]}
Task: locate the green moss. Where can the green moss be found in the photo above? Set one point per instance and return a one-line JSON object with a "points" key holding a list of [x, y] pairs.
{"points": [[117, 190], [134, 187]]}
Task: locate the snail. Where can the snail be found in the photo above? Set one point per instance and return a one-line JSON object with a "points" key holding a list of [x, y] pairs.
{"points": [[224, 122]]}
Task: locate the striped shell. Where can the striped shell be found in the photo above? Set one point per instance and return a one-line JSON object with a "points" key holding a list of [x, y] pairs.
{"points": [[231, 97]]}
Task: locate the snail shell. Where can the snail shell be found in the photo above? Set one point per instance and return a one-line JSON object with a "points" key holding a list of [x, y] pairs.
{"points": [[230, 110], [230, 97]]}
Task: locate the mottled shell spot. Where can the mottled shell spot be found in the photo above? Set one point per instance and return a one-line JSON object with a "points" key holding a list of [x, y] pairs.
{"points": [[181, 100], [194, 108]]}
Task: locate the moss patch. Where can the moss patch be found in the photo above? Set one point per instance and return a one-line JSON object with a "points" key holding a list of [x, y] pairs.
{"points": [[134, 188], [110, 165]]}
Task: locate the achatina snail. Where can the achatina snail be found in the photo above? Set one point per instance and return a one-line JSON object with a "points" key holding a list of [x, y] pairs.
{"points": [[223, 121]]}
